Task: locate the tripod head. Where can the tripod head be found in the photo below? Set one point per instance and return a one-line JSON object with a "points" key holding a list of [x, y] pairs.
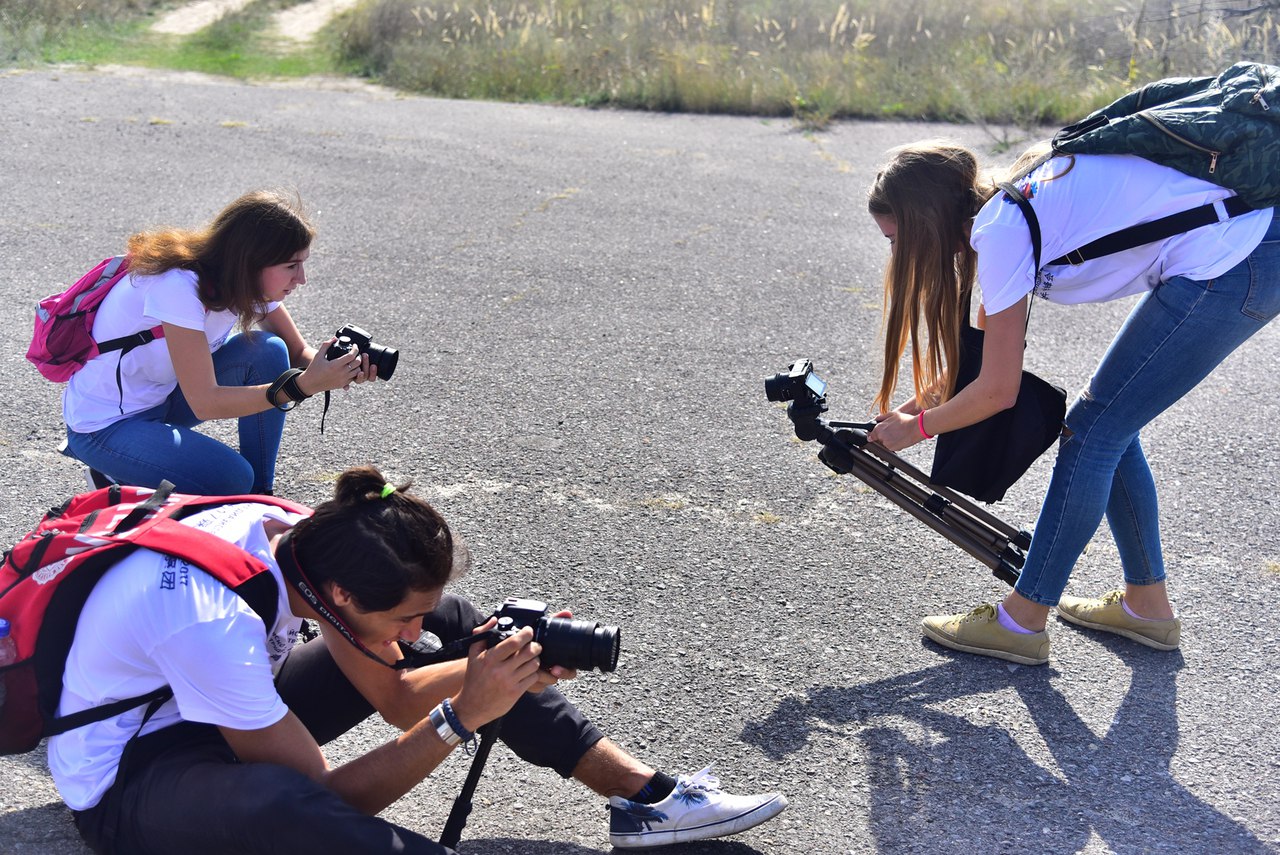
{"points": [[847, 451]]}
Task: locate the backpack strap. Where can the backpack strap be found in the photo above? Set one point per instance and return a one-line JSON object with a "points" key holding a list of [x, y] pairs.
{"points": [[1133, 236], [124, 344], [127, 343], [62, 724], [1156, 230], [1033, 224]]}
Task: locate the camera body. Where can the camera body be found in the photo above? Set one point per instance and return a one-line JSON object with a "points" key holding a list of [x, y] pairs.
{"points": [[381, 356], [798, 384], [569, 643]]}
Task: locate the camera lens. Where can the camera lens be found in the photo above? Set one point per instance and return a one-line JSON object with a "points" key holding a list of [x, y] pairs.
{"points": [[779, 387], [578, 644], [385, 358]]}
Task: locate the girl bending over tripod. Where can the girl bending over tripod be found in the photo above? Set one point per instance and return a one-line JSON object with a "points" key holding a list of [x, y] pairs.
{"points": [[1205, 292]]}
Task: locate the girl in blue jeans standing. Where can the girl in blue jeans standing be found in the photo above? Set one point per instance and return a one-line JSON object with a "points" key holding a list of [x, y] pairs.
{"points": [[130, 414], [1205, 292]]}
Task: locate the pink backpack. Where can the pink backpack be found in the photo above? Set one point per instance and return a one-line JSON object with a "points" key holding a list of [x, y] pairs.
{"points": [[63, 340]]}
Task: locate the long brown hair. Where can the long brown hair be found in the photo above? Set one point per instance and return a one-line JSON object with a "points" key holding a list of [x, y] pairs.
{"points": [[932, 190], [260, 229]]}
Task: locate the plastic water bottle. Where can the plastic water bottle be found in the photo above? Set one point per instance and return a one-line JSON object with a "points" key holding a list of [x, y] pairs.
{"points": [[8, 654]]}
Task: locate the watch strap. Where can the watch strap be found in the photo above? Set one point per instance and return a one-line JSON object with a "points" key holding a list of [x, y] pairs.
{"points": [[288, 383]]}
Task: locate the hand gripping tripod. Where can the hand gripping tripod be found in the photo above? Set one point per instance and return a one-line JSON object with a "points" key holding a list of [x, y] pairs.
{"points": [[845, 450]]}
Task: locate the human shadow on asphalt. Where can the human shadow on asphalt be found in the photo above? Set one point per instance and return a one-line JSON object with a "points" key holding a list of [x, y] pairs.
{"points": [[939, 781], [42, 828], [517, 846]]}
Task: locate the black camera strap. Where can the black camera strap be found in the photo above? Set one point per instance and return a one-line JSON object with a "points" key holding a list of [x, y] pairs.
{"points": [[325, 411]]}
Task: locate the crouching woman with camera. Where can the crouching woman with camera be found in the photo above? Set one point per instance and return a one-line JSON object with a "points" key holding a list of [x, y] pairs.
{"points": [[130, 412], [232, 762]]}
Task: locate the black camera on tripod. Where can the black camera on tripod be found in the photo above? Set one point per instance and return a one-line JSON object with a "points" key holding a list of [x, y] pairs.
{"points": [[381, 356], [799, 384], [847, 450]]}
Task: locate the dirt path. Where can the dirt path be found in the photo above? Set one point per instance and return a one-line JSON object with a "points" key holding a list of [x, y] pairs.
{"points": [[297, 23]]}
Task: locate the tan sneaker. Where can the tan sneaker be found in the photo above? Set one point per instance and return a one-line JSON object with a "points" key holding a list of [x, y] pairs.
{"points": [[1107, 614], [980, 632]]}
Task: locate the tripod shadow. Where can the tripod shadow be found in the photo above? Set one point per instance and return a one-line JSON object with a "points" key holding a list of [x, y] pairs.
{"points": [[935, 775]]}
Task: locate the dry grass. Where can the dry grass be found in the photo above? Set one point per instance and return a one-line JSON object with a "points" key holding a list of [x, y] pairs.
{"points": [[938, 59], [1023, 64]]}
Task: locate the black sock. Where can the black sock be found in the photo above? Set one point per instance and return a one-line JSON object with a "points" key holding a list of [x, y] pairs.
{"points": [[658, 788]]}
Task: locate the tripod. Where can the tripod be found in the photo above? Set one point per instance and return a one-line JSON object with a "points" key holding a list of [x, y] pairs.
{"points": [[845, 450]]}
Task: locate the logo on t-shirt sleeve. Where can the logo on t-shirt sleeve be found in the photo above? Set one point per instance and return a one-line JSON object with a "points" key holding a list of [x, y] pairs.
{"points": [[1028, 188]]}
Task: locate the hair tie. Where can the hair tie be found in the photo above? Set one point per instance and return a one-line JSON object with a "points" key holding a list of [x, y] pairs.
{"points": [[387, 490]]}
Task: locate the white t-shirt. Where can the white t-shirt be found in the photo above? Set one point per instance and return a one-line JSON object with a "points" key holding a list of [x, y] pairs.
{"points": [[1099, 195], [154, 621], [93, 399]]}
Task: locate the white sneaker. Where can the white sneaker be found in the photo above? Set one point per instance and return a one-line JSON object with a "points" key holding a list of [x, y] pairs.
{"points": [[696, 810]]}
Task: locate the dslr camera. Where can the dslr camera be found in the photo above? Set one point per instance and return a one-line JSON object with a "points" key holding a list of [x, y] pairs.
{"points": [[351, 336], [798, 384], [567, 642]]}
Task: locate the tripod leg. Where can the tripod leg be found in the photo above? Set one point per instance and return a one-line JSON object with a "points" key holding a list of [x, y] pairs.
{"points": [[972, 535], [462, 804]]}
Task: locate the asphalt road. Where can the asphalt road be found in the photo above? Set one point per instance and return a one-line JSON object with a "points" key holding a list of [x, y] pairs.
{"points": [[586, 303]]}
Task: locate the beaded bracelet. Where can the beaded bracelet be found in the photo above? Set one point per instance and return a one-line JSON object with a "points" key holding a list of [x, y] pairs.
{"points": [[454, 721]]}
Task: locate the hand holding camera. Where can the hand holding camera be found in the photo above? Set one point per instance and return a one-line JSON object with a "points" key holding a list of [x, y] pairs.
{"points": [[497, 676], [374, 360], [351, 356]]}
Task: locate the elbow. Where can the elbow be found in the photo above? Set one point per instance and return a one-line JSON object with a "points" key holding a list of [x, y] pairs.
{"points": [[1002, 396], [402, 717], [202, 410], [1006, 400], [401, 723]]}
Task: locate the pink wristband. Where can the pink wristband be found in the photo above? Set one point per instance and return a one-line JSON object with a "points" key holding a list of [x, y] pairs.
{"points": [[920, 424]]}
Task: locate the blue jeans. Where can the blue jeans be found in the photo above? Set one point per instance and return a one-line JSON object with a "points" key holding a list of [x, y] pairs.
{"points": [[1173, 339], [159, 444]]}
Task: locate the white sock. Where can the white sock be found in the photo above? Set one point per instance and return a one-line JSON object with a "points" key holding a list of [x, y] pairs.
{"points": [[1131, 614], [1009, 623]]}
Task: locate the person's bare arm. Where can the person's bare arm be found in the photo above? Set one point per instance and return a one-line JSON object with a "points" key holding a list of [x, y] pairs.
{"points": [[995, 388], [193, 365], [495, 679]]}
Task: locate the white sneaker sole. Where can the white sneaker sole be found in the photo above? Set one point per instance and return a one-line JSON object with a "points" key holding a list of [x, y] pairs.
{"points": [[732, 825]]}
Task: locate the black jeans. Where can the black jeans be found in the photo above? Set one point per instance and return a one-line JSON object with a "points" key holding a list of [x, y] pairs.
{"points": [[182, 789]]}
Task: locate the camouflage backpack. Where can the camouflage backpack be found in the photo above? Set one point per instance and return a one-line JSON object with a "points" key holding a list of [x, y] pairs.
{"points": [[1223, 129]]}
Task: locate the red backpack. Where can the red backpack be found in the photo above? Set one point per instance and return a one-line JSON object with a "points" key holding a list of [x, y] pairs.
{"points": [[63, 341], [47, 576]]}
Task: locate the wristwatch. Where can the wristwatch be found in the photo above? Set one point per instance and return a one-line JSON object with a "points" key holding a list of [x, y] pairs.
{"points": [[444, 730]]}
